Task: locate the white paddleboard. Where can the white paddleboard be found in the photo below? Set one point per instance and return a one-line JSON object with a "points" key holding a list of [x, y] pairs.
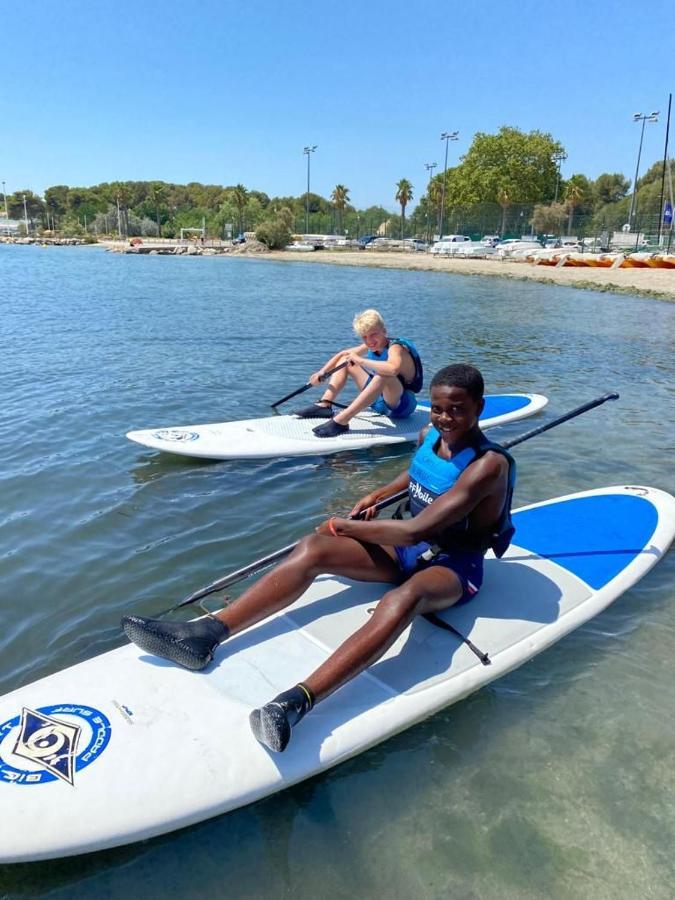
{"points": [[127, 746], [291, 436]]}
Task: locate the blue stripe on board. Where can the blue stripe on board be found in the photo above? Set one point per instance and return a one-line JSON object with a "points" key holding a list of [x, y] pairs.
{"points": [[500, 404], [593, 537]]}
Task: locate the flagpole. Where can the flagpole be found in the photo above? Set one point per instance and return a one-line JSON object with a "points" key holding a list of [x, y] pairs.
{"points": [[663, 174]]}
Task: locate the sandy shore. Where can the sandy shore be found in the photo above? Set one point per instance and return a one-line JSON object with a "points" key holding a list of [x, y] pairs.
{"points": [[651, 282]]}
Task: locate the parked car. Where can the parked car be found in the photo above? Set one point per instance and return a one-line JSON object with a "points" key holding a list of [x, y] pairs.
{"points": [[364, 240], [491, 240], [415, 244]]}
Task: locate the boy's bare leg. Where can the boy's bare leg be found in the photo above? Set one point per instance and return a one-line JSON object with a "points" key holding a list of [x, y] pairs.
{"points": [[335, 384], [390, 387], [315, 555], [427, 591], [192, 644]]}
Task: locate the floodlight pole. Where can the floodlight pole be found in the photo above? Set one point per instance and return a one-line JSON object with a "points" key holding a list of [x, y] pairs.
{"points": [[639, 117], [308, 152], [446, 136]]}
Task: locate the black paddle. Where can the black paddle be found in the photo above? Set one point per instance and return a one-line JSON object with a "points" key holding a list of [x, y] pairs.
{"points": [[306, 387], [265, 561]]}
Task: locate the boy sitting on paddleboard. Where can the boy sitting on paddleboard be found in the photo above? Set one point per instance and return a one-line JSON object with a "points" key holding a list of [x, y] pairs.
{"points": [[460, 487], [387, 372]]}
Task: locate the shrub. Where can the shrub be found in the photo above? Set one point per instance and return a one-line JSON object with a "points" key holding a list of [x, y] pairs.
{"points": [[274, 233]]}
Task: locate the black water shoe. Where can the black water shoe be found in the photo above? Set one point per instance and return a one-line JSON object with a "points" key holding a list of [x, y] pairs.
{"points": [[190, 644], [272, 723], [330, 429], [315, 411]]}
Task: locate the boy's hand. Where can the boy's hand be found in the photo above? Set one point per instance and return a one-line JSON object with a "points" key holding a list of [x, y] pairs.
{"points": [[365, 507]]}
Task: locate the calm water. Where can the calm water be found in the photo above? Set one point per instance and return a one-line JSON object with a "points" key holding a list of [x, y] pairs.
{"points": [[556, 781]]}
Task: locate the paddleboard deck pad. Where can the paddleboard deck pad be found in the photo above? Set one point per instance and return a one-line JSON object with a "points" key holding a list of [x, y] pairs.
{"points": [[77, 745], [291, 436]]}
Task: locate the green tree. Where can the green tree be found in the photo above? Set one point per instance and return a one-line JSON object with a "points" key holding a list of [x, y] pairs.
{"points": [[239, 196], [56, 202], [404, 194], [512, 161], [504, 200], [275, 232], [609, 188], [34, 207], [435, 194], [549, 218], [577, 190], [157, 189], [340, 198]]}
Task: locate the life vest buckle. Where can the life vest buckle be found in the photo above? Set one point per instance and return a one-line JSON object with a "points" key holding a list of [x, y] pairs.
{"points": [[430, 554]]}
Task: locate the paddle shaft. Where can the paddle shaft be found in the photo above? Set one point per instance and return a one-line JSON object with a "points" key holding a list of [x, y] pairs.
{"points": [[309, 384], [265, 561], [570, 415]]}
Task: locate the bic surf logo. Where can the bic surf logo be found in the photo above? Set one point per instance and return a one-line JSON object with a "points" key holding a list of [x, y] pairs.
{"points": [[174, 434], [57, 742]]}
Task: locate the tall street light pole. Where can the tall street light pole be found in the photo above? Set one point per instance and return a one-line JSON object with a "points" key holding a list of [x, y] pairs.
{"points": [[639, 117], [430, 169], [308, 152], [4, 194], [446, 136], [558, 158]]}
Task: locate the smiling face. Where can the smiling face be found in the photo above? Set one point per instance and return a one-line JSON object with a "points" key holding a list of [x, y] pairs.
{"points": [[454, 413], [375, 338]]}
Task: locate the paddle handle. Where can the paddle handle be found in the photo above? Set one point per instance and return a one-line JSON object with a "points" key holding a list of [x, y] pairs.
{"points": [[306, 387], [266, 561]]}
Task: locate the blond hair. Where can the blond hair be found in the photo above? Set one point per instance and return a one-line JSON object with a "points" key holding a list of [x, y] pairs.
{"points": [[364, 321]]}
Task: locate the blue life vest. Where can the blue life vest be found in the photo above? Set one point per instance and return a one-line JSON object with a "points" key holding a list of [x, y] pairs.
{"points": [[431, 476], [418, 379]]}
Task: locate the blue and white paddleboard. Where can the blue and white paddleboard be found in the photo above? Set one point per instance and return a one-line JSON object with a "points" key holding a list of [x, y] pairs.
{"points": [[290, 436], [76, 745]]}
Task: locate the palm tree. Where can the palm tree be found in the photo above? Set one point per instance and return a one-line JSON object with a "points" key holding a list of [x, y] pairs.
{"points": [[156, 188], [574, 194], [435, 195], [239, 196], [340, 198], [504, 200], [404, 194]]}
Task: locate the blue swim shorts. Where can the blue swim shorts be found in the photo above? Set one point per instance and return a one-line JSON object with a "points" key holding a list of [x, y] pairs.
{"points": [[468, 567], [406, 406]]}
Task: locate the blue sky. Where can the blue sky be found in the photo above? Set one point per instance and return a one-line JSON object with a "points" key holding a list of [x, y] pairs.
{"points": [[223, 92]]}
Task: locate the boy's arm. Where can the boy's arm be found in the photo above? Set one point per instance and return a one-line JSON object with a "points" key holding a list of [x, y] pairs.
{"points": [[389, 367], [474, 485]]}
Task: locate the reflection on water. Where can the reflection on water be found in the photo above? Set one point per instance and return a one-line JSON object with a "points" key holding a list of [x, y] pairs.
{"points": [[554, 781]]}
